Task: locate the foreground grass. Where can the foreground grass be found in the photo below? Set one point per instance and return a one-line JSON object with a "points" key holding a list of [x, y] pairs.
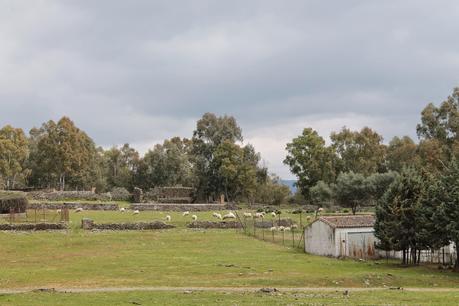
{"points": [[221, 298], [183, 257]]}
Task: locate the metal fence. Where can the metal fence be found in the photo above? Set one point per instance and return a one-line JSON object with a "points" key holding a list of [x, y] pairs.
{"points": [[275, 230], [37, 215]]}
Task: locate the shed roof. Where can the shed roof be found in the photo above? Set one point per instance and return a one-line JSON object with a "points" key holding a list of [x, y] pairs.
{"points": [[349, 221]]}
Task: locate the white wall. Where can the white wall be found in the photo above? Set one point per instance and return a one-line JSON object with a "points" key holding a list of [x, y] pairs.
{"points": [[319, 239]]}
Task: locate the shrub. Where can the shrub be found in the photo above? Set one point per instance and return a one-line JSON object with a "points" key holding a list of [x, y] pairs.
{"points": [[120, 194], [12, 200]]}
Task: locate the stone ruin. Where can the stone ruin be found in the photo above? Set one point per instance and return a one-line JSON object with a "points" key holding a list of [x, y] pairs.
{"points": [[166, 195]]}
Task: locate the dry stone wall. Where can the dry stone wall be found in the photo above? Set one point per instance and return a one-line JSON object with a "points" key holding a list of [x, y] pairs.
{"points": [[33, 227], [75, 205], [213, 224], [177, 207], [88, 224]]}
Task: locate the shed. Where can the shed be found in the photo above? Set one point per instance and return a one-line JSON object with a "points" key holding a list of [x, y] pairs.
{"points": [[341, 236]]}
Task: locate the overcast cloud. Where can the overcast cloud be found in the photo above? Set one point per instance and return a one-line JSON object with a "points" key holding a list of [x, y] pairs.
{"points": [[141, 71]]}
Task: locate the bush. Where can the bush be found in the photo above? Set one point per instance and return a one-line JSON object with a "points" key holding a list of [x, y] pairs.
{"points": [[120, 194], [13, 200]]}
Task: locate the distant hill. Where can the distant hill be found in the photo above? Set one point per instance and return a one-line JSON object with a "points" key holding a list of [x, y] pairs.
{"points": [[290, 184]]}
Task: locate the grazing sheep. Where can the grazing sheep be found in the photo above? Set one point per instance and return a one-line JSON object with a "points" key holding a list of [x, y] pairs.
{"points": [[286, 229], [320, 209], [136, 212], [273, 214], [79, 209], [247, 215], [259, 215], [272, 229], [194, 217], [308, 218], [294, 226], [281, 228], [217, 215], [229, 215], [58, 211], [122, 209], [185, 213], [168, 218]]}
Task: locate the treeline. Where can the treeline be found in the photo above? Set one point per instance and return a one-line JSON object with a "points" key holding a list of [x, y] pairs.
{"points": [[356, 167], [414, 186], [213, 161]]}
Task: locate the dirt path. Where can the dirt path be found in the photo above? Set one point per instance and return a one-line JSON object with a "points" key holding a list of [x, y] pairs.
{"points": [[219, 289]]}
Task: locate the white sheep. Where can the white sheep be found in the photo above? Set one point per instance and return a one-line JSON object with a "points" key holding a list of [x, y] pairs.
{"points": [[79, 209], [308, 218], [136, 212], [168, 218], [294, 226], [247, 215], [217, 215], [185, 213], [58, 211], [122, 209], [281, 228], [272, 229], [273, 214], [229, 215], [286, 229], [259, 215], [320, 209], [194, 217]]}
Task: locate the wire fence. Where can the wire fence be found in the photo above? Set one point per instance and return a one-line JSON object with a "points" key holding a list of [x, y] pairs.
{"points": [[37, 215], [274, 229]]}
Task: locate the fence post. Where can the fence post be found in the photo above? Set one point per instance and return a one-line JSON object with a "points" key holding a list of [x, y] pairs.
{"points": [[293, 237]]}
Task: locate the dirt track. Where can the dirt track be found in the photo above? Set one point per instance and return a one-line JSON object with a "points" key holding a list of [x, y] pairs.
{"points": [[217, 289]]}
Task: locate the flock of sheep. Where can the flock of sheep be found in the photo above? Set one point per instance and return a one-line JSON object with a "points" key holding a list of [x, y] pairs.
{"points": [[230, 215]]}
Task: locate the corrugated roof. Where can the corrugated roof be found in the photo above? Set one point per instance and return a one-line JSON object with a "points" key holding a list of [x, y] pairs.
{"points": [[349, 221]]}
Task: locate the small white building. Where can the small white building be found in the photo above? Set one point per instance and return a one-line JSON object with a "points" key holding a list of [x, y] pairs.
{"points": [[341, 236]]}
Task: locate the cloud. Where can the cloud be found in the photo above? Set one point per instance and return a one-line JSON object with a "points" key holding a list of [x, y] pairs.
{"points": [[142, 71]]}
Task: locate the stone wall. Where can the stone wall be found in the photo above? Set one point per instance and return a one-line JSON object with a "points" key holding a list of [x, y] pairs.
{"points": [[75, 205], [177, 195], [213, 224], [66, 195], [178, 207], [32, 226], [88, 224], [269, 224]]}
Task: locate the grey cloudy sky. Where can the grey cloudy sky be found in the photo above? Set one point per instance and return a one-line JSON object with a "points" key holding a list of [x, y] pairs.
{"points": [[141, 71]]}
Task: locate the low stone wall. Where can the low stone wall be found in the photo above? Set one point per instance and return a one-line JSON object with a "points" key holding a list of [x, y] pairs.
{"points": [[66, 195], [269, 224], [213, 224], [33, 227], [75, 205], [178, 207], [88, 224]]}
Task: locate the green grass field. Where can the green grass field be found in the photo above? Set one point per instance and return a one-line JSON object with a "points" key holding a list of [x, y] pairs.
{"points": [[184, 257], [222, 298]]}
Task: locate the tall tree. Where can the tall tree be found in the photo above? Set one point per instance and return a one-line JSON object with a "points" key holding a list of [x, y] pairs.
{"points": [[310, 160], [211, 131], [167, 165], [13, 154], [439, 132], [237, 174], [63, 153], [121, 166], [447, 197], [399, 216], [352, 190], [401, 152], [359, 151]]}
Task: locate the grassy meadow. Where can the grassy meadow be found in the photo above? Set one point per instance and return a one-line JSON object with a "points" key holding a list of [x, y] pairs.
{"points": [[183, 257]]}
